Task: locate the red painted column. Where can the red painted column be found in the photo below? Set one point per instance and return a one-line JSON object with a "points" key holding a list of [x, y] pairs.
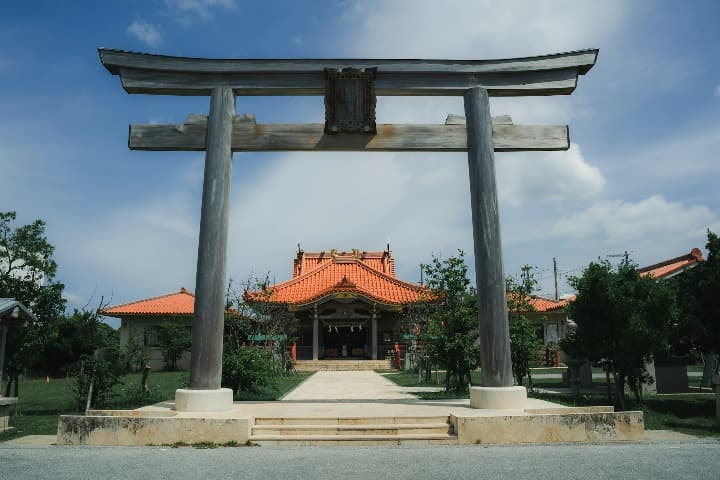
{"points": [[397, 355]]}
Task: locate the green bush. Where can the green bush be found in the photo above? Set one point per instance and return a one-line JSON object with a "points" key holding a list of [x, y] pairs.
{"points": [[135, 395], [103, 370], [247, 368], [174, 340]]}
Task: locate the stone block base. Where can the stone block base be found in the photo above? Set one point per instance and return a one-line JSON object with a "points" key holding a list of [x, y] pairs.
{"points": [[187, 400], [498, 398], [568, 426], [145, 428]]}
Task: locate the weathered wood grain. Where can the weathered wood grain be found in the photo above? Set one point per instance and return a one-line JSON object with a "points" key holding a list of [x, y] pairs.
{"points": [[114, 59], [209, 320], [493, 326], [157, 74], [248, 136], [532, 83]]}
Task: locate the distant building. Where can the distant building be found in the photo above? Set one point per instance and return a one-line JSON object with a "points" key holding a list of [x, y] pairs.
{"points": [[139, 321], [552, 314], [348, 303]]}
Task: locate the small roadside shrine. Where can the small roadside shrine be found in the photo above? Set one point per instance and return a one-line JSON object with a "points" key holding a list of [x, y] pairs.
{"points": [[350, 88], [13, 314]]}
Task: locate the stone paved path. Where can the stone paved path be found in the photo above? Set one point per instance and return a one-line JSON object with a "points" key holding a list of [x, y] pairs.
{"points": [[363, 385]]}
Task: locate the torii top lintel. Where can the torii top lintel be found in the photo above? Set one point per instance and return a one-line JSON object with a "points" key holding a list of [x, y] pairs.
{"points": [[554, 74]]}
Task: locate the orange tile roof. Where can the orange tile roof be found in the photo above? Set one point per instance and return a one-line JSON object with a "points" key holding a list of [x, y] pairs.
{"points": [[178, 303], [306, 261], [542, 304], [671, 267], [358, 272]]}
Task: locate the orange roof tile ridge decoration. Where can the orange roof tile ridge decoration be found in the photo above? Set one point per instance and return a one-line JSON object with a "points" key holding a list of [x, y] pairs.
{"points": [[155, 306]]}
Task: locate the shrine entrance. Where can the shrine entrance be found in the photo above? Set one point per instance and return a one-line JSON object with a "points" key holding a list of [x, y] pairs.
{"points": [[345, 341], [350, 88]]}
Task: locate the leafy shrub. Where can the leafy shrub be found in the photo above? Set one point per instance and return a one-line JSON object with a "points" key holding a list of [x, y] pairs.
{"points": [[246, 368], [103, 369], [135, 395], [174, 340]]}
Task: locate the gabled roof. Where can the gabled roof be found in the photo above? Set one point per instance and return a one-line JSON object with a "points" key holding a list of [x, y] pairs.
{"points": [[14, 313], [674, 266], [381, 261], [359, 273], [178, 303]]}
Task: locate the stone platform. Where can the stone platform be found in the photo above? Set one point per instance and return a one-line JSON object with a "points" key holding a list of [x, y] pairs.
{"points": [[343, 365], [6, 404], [384, 422]]}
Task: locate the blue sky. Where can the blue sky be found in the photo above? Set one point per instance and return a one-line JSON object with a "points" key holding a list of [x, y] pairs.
{"points": [[641, 175]]}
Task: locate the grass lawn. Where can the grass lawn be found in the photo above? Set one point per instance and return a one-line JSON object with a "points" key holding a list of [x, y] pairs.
{"points": [[408, 379], [40, 403], [692, 414]]}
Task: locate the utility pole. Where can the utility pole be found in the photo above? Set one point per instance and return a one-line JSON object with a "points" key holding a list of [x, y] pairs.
{"points": [[555, 275], [625, 255]]}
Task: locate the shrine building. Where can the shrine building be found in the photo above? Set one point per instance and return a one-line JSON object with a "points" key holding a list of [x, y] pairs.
{"points": [[348, 303]]}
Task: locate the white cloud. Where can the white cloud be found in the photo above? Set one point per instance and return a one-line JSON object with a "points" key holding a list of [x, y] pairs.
{"points": [[717, 91], [145, 32], [146, 248], [189, 11], [690, 155], [480, 28], [618, 222], [420, 203], [529, 178]]}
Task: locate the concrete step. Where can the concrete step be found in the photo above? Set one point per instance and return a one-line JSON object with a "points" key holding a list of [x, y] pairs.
{"points": [[351, 420], [367, 430], [355, 440], [343, 365], [434, 430]]}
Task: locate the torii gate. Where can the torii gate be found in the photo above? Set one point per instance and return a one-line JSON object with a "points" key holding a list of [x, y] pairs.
{"points": [[350, 87]]}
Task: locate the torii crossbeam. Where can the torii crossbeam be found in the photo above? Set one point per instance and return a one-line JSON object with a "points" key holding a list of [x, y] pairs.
{"points": [[350, 87]]}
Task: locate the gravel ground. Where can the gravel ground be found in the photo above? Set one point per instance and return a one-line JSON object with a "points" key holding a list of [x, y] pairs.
{"points": [[655, 460]]}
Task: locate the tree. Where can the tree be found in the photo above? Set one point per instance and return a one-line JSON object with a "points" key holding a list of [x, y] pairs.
{"points": [[450, 331], [271, 320], [622, 318], [174, 340], [699, 300], [76, 337], [524, 342], [27, 273]]}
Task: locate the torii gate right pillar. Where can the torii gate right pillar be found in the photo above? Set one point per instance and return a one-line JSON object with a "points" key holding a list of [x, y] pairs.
{"points": [[497, 390]]}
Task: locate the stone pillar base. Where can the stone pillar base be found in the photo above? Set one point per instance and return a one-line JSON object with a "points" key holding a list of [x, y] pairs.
{"points": [[498, 398], [188, 400]]}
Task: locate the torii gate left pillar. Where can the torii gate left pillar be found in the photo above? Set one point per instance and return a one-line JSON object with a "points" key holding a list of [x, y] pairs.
{"points": [[205, 393]]}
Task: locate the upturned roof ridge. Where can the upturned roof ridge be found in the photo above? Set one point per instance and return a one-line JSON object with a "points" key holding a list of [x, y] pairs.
{"points": [[695, 254], [357, 261]]}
